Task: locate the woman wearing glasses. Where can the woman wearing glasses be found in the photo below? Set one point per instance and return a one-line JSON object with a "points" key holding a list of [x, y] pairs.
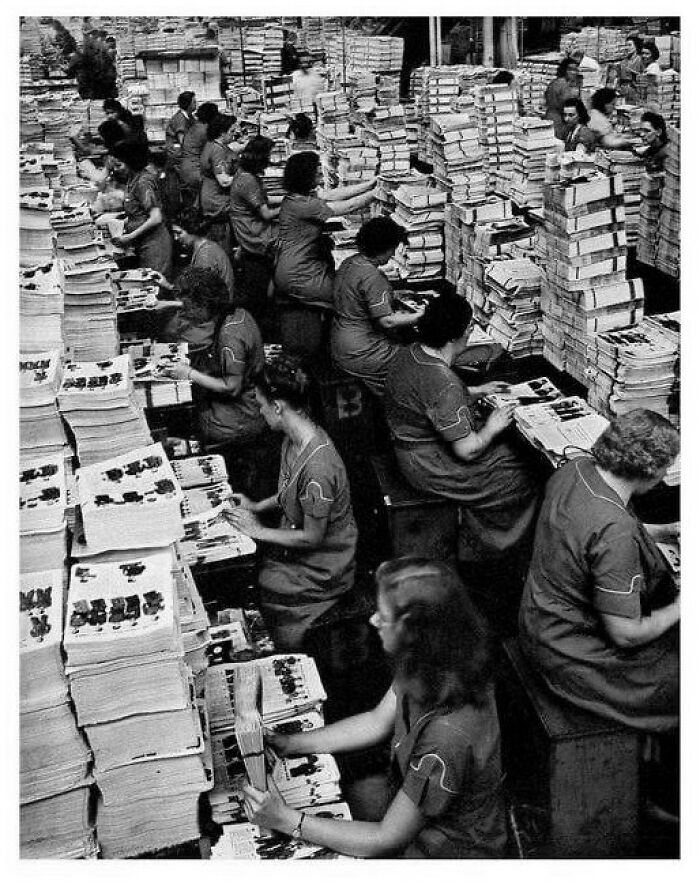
{"points": [[442, 795]]}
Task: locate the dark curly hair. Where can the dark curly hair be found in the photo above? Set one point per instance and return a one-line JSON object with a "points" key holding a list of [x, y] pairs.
{"points": [[638, 43], [445, 318], [255, 157], [563, 65], [379, 235], [637, 445], [583, 116], [132, 152], [444, 650], [301, 127], [657, 122], [601, 98], [653, 48], [184, 99], [286, 379], [206, 112], [219, 125], [300, 172], [202, 288]]}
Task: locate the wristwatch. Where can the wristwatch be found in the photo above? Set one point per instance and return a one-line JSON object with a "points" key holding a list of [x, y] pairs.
{"points": [[296, 832]]}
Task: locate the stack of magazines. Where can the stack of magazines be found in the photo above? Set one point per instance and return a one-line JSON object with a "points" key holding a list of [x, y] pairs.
{"points": [[668, 253], [36, 244], [90, 321], [562, 428], [40, 308], [97, 401], [55, 811], [513, 301], [496, 110], [135, 697], [534, 139], [420, 210], [42, 506], [458, 158], [40, 428], [151, 385]]}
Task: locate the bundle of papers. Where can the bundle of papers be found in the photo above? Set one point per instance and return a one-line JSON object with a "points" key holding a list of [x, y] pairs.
{"points": [[209, 536], [529, 392], [385, 131], [200, 471], [307, 780], [36, 242], [42, 494], [42, 679], [41, 430], [98, 403], [90, 323], [458, 221], [250, 842], [534, 139], [513, 301], [151, 386], [631, 168], [131, 501], [566, 425], [633, 367], [41, 308], [668, 252], [59, 826], [496, 110], [458, 158], [421, 211], [248, 724], [650, 189]]}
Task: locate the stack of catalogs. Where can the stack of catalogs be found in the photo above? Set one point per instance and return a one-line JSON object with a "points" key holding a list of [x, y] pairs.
{"points": [[209, 536], [152, 388], [389, 183], [528, 392], [251, 843], [668, 254], [272, 51], [42, 504], [98, 403], [333, 111], [513, 291], [459, 221], [388, 89], [40, 428], [586, 290], [631, 168], [32, 176], [669, 324], [363, 91], [663, 95], [35, 233], [135, 698], [194, 622], [131, 501], [531, 87], [650, 189], [307, 780], [560, 427], [355, 163], [496, 109], [90, 321], [30, 129], [57, 131], [55, 818], [77, 239], [385, 130], [534, 139], [458, 159], [276, 93], [421, 211], [412, 129], [142, 279], [248, 725], [633, 368]]}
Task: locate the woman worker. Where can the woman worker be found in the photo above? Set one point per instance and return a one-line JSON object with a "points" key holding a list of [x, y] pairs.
{"points": [[309, 559], [216, 165], [304, 266], [442, 448], [235, 357], [577, 136], [442, 796], [251, 220], [364, 309], [600, 123], [630, 68], [599, 613], [193, 143], [564, 86], [650, 59], [145, 226]]}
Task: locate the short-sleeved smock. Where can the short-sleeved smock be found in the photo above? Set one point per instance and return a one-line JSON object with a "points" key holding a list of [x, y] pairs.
{"points": [[178, 125], [154, 249], [427, 408], [297, 586], [192, 145], [210, 255], [593, 556], [238, 352], [247, 196], [302, 270], [448, 763], [215, 159], [362, 295]]}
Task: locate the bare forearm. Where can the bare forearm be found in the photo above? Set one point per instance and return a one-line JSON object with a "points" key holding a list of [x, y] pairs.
{"points": [[288, 538], [354, 733], [213, 384], [268, 504], [355, 838], [346, 192], [399, 320], [631, 633]]}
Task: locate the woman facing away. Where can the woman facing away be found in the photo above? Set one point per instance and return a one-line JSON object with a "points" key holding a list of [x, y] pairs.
{"points": [[441, 797]]}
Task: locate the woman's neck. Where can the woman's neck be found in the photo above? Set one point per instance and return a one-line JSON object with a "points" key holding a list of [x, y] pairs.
{"points": [[623, 487], [299, 429], [446, 353]]}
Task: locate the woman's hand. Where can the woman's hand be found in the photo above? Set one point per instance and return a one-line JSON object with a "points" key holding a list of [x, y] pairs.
{"points": [[269, 809], [178, 370], [240, 500], [277, 741], [500, 418], [122, 241], [244, 520], [493, 388]]}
